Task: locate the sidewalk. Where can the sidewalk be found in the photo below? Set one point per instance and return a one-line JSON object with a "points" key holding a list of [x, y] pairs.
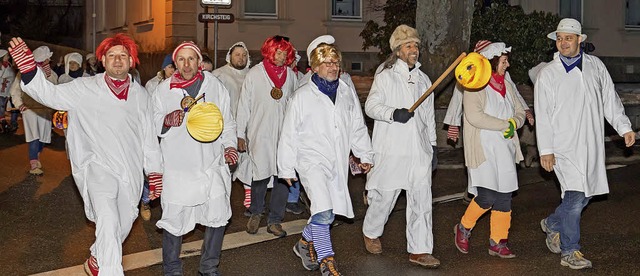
{"points": [[615, 153]]}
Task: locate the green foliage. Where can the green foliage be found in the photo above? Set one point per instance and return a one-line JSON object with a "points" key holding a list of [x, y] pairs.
{"points": [[526, 33], [396, 12]]}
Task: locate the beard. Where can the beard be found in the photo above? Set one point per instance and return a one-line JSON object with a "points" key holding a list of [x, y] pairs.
{"points": [[239, 66]]}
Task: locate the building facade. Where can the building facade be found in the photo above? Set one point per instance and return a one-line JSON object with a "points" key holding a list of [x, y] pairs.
{"points": [[612, 26], [160, 25]]}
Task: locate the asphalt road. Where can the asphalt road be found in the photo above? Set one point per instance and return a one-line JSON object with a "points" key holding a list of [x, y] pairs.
{"points": [[43, 228]]}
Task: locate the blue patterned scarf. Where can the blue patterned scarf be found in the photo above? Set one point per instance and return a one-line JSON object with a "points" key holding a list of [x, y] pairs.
{"points": [[572, 62], [329, 88]]}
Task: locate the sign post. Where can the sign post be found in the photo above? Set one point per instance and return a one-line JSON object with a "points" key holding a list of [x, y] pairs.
{"points": [[216, 18]]}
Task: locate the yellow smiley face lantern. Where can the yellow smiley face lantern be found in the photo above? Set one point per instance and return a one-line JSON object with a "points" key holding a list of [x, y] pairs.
{"points": [[204, 122], [474, 71], [60, 120]]}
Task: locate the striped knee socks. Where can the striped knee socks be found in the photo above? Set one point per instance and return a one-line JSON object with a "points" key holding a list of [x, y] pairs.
{"points": [[322, 240], [247, 196]]}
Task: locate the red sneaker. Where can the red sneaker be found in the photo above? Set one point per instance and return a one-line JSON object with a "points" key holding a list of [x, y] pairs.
{"points": [[501, 250], [91, 266], [461, 238]]}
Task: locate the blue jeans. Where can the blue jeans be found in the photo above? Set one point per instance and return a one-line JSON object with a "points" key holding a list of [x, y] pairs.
{"points": [[566, 220], [294, 192], [35, 147], [145, 193], [277, 202], [3, 106], [324, 217], [211, 249]]}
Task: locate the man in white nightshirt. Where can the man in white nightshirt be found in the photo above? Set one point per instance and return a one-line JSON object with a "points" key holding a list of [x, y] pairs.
{"points": [[196, 181], [573, 95], [403, 147], [111, 141], [265, 92]]}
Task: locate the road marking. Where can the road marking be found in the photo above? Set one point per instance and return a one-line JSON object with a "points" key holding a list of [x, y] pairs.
{"points": [[231, 241], [153, 257]]}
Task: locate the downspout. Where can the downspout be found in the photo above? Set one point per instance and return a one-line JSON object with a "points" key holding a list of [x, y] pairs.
{"points": [[93, 15]]}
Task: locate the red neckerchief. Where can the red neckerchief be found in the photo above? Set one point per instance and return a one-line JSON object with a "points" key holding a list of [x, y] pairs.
{"points": [[497, 83], [5, 64], [119, 88], [277, 74], [177, 81], [45, 67]]}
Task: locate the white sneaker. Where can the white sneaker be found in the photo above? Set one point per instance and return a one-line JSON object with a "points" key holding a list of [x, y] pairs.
{"points": [[575, 260], [553, 237]]}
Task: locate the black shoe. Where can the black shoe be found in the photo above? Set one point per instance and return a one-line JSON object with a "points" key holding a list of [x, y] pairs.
{"points": [[294, 207], [276, 230]]}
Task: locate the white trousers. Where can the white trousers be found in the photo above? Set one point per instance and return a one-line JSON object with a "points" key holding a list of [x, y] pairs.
{"points": [[418, 213], [113, 218]]}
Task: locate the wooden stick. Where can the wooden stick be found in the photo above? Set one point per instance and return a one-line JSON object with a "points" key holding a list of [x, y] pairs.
{"points": [[438, 81]]}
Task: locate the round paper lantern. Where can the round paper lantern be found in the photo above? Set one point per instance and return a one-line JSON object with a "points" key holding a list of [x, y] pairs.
{"points": [[60, 119], [474, 71], [204, 122]]}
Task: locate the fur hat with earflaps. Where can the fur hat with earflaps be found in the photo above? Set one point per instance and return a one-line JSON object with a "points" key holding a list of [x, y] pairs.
{"points": [[403, 34]]}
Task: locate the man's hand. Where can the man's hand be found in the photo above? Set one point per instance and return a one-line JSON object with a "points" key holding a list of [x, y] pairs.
{"points": [[529, 114], [174, 118], [22, 108], [231, 156], [629, 138], [22, 55], [366, 167], [547, 162], [242, 145], [453, 132], [155, 185], [290, 181], [402, 115]]}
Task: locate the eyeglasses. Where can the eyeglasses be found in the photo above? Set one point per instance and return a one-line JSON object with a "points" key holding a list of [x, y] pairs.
{"points": [[331, 64]]}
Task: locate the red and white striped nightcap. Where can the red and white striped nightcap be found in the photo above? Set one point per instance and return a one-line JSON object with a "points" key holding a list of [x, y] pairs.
{"points": [[481, 44], [187, 44]]}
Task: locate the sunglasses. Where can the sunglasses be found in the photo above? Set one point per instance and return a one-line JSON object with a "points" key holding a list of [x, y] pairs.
{"points": [[279, 38]]}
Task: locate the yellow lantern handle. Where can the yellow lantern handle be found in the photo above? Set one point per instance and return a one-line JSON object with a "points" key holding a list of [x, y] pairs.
{"points": [[437, 82]]}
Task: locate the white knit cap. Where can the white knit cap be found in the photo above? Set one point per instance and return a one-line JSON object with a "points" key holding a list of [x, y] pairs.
{"points": [[570, 26], [42, 53], [328, 39], [76, 57], [494, 49]]}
